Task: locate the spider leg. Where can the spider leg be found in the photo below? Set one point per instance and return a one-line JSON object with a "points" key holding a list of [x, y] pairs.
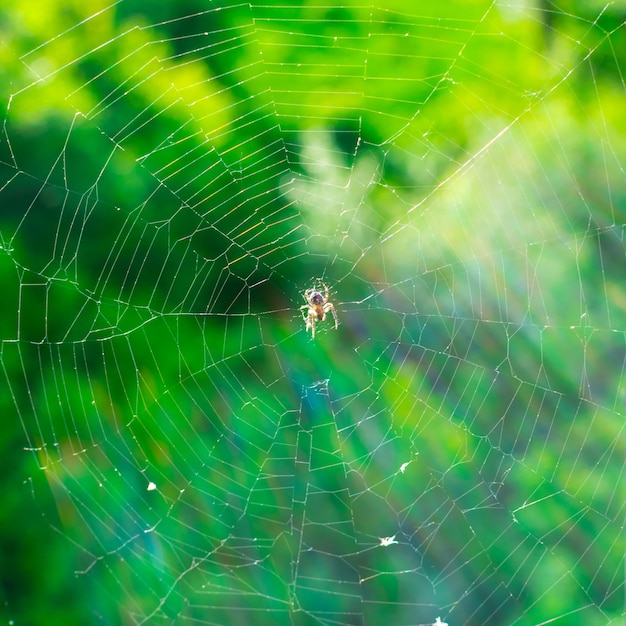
{"points": [[309, 318], [305, 316], [329, 307], [325, 291]]}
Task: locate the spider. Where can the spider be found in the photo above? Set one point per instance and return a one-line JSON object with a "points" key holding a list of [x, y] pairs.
{"points": [[316, 308]]}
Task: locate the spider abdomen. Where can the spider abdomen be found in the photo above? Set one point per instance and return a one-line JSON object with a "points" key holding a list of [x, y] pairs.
{"points": [[319, 312]]}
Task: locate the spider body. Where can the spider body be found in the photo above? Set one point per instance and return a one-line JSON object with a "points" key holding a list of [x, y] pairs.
{"points": [[316, 308]]}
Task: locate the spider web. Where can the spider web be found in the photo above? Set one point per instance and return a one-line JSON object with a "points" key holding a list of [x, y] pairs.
{"points": [[178, 449]]}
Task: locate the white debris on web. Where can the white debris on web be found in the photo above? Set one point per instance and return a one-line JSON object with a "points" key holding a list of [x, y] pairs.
{"points": [[438, 622], [404, 466], [151, 486], [387, 541]]}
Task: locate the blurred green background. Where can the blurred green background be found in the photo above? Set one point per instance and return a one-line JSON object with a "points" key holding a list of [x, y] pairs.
{"points": [[176, 448]]}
